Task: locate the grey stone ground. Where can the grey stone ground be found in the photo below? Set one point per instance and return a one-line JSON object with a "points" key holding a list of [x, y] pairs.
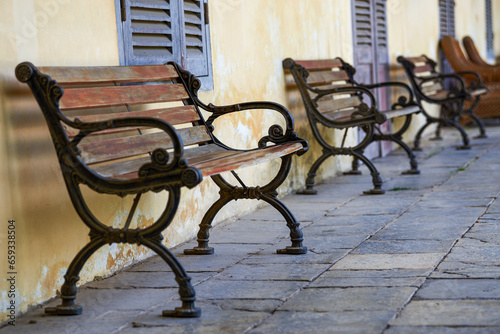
{"points": [[423, 258]]}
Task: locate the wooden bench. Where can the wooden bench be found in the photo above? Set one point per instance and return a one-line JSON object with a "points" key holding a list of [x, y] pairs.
{"points": [[116, 131], [334, 99], [431, 86]]}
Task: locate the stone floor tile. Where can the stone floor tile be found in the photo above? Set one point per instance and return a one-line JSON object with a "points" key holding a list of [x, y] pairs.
{"points": [[274, 272], [450, 313], [214, 319], [349, 299], [441, 330], [325, 322], [247, 289], [459, 289], [389, 261], [404, 246]]}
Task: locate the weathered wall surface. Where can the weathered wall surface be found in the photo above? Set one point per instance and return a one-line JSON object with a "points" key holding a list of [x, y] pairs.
{"points": [[249, 39], [413, 29]]}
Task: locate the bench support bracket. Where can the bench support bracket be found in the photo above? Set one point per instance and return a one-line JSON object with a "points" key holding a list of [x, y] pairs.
{"points": [[266, 193]]}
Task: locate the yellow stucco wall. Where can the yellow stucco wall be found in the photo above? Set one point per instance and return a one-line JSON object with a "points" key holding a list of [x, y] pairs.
{"points": [[495, 8], [413, 28], [249, 39], [475, 24]]}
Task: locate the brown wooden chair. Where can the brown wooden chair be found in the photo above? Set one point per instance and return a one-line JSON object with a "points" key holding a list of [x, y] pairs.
{"points": [[487, 107], [473, 54]]}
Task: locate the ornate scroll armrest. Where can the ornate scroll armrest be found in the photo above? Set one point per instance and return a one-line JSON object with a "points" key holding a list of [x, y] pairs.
{"points": [[402, 99], [276, 134], [161, 164], [478, 84]]}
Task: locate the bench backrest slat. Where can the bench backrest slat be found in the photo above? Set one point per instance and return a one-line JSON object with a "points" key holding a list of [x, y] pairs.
{"points": [[109, 74], [110, 149], [100, 94], [326, 75], [77, 98], [326, 106]]}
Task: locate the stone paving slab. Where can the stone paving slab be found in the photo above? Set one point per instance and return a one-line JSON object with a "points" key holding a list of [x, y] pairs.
{"points": [[347, 322], [349, 299], [450, 313], [423, 258]]}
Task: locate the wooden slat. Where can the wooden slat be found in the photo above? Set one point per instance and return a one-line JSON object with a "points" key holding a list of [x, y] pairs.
{"points": [[416, 59], [343, 115], [117, 148], [423, 68], [174, 116], [79, 98], [315, 65], [439, 95], [109, 74], [401, 112], [431, 88], [129, 169], [210, 159], [246, 158], [326, 77], [332, 105]]}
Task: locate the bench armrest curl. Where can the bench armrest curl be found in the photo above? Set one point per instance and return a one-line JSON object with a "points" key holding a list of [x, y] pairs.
{"points": [[276, 134]]}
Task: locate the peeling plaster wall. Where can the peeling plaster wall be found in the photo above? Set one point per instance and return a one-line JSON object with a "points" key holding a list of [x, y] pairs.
{"points": [[475, 24], [413, 30], [249, 39]]}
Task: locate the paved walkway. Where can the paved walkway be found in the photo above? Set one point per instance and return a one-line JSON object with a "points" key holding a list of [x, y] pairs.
{"points": [[423, 258]]}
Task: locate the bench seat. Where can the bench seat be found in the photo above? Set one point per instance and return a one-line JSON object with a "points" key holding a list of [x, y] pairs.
{"points": [[128, 130], [335, 100]]}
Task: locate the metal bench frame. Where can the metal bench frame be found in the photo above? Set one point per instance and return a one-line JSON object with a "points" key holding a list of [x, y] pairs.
{"points": [[363, 114], [422, 74], [166, 170]]}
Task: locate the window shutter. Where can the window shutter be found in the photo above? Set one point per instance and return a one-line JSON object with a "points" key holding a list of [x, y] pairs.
{"points": [[195, 53], [490, 53], [149, 32], [362, 23], [446, 17]]}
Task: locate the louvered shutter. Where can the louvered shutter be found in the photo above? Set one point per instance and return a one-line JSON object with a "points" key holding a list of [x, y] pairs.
{"points": [[195, 55], [149, 32], [371, 57], [158, 31], [446, 27], [490, 53]]}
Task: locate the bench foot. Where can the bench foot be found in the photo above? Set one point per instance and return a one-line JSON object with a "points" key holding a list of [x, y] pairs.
{"points": [[463, 147], [436, 138], [292, 250], [375, 191], [411, 172], [64, 310], [199, 251], [481, 136], [188, 310], [418, 149], [352, 172], [307, 191]]}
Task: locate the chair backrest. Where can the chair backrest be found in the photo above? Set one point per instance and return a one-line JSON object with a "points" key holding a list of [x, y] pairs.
{"points": [[71, 98], [309, 75], [423, 77], [472, 52]]}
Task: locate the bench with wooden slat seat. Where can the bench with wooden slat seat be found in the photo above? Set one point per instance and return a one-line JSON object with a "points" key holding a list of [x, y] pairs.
{"points": [[334, 99], [118, 131], [431, 86]]}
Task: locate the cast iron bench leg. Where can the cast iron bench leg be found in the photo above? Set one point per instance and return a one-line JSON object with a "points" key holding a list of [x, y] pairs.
{"points": [[101, 234], [266, 193]]}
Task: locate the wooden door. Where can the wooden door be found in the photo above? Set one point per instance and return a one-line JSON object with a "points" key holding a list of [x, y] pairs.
{"points": [[371, 57]]}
